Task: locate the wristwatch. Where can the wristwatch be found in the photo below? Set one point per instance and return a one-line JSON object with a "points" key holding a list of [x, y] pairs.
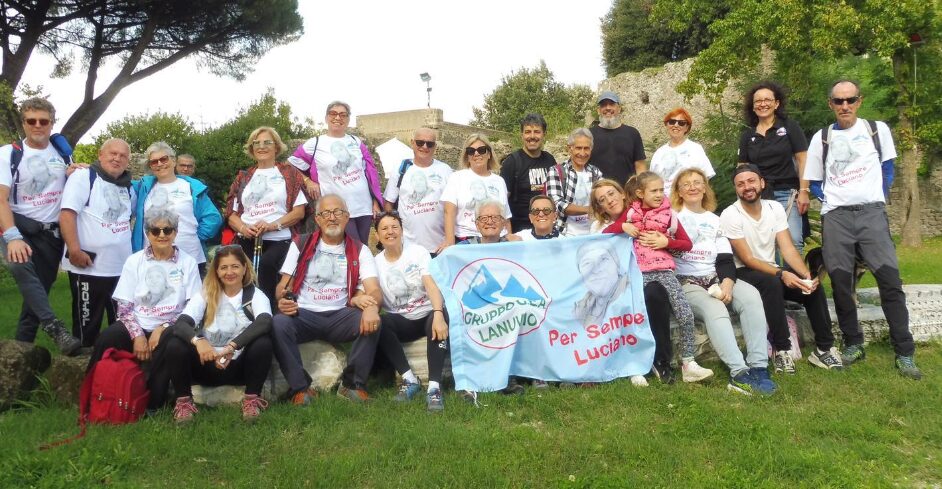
{"points": [[280, 227], [779, 273]]}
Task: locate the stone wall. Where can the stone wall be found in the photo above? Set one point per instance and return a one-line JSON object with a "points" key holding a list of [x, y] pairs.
{"points": [[930, 192]]}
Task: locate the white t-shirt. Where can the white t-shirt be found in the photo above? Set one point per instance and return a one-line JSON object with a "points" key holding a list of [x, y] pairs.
{"points": [[325, 283], [759, 235], [230, 320], [466, 189], [40, 182], [853, 173], [104, 226], [342, 171], [579, 225], [420, 205], [708, 242], [526, 235], [159, 289], [668, 162], [176, 196], [264, 199], [401, 281]]}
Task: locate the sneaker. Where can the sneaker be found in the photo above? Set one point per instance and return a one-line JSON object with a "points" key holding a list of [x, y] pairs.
{"points": [[304, 397], [853, 354], [828, 360], [539, 384], [763, 383], [639, 381], [252, 406], [470, 397], [693, 372], [184, 410], [907, 367], [784, 363], [356, 394], [513, 388], [67, 344], [407, 390], [743, 383], [434, 400], [663, 372]]}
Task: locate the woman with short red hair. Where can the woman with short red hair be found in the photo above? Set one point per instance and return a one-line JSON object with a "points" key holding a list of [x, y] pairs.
{"points": [[679, 153]]}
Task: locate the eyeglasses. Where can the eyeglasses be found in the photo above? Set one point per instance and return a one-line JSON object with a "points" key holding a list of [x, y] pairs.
{"points": [[607, 197], [263, 143], [675, 122], [481, 150], [840, 101], [42, 122], [167, 231], [421, 142], [544, 211], [336, 213], [690, 185], [163, 159], [489, 219], [766, 101], [334, 114]]}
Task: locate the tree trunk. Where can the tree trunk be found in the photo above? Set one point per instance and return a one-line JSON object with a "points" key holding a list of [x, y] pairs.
{"points": [[911, 229]]}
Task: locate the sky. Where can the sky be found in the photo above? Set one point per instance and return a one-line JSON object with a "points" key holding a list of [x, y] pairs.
{"points": [[369, 53]]}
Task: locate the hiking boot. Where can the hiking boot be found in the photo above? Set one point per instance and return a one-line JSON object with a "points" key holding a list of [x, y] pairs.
{"points": [[784, 363], [304, 397], [407, 390], [907, 367], [184, 410], [743, 383], [355, 394], [513, 388], [763, 383], [828, 360], [470, 397], [252, 406], [434, 400], [67, 344], [853, 354], [693, 372], [540, 384], [663, 372]]}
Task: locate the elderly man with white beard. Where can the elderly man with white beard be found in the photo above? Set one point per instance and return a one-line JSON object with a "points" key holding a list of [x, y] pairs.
{"points": [[617, 150]]}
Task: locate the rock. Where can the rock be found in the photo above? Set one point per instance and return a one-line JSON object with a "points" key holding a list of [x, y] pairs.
{"points": [[65, 377], [20, 364], [417, 354]]}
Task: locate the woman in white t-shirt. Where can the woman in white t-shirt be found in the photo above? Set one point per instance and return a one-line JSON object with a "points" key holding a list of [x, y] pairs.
{"points": [[679, 153], [265, 206], [222, 337], [154, 286], [476, 182], [708, 276], [414, 309]]}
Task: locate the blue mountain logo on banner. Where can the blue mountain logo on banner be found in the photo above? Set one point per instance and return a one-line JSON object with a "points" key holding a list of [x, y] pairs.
{"points": [[484, 286]]}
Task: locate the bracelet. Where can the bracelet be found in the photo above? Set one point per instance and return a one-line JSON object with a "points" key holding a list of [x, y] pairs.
{"points": [[805, 190], [779, 273], [12, 234]]}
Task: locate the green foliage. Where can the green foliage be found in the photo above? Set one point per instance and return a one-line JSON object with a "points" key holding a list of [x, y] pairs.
{"points": [[140, 131], [534, 90], [85, 153], [632, 40]]}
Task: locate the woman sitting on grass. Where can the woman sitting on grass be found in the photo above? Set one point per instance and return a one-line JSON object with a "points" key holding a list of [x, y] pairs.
{"points": [[222, 337]]}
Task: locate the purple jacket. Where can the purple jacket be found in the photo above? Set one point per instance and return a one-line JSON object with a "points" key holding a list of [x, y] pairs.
{"points": [[303, 159]]}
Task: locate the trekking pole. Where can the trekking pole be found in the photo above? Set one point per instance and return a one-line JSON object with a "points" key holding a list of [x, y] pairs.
{"points": [[256, 255]]}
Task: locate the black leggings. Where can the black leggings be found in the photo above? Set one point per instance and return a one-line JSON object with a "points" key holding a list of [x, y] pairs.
{"points": [[269, 264], [396, 329], [183, 367], [117, 336], [659, 317]]}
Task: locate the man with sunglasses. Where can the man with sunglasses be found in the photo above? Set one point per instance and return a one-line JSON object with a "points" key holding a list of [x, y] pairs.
{"points": [[853, 161], [618, 150], [524, 170], [97, 204], [416, 190], [30, 197]]}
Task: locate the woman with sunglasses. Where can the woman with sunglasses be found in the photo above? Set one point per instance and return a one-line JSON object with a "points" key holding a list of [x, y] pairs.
{"points": [[476, 182], [777, 145], [148, 306], [222, 337], [188, 197], [265, 205], [679, 152]]}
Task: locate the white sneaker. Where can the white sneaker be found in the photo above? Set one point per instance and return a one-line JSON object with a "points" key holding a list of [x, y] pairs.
{"points": [[693, 372], [639, 381]]}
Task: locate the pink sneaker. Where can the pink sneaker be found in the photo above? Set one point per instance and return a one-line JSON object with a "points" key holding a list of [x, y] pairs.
{"points": [[184, 410], [252, 406]]}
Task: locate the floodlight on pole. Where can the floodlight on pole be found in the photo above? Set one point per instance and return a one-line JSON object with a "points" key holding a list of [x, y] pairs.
{"points": [[428, 87]]}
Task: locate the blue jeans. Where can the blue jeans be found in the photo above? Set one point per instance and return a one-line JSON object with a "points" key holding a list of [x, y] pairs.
{"points": [[34, 280], [794, 218]]}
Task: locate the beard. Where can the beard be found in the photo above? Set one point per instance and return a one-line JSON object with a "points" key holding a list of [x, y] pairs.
{"points": [[609, 122], [334, 231]]}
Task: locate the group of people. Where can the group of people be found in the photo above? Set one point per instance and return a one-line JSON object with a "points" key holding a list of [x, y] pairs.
{"points": [[135, 250]]}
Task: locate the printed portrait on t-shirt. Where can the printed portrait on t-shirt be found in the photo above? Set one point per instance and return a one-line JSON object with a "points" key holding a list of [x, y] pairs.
{"points": [[224, 324], [583, 187], [344, 158], [115, 202], [325, 266], [40, 175], [478, 194], [158, 199], [840, 155], [419, 187], [255, 191], [668, 167], [396, 285], [158, 286], [603, 279]]}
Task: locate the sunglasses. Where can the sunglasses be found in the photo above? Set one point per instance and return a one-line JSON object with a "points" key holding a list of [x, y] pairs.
{"points": [[337, 213], [266, 143], [423, 143], [480, 150], [163, 159], [544, 211], [167, 231], [676, 122], [343, 115], [42, 122], [840, 101]]}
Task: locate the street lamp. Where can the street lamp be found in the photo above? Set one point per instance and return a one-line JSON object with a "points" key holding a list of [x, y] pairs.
{"points": [[428, 87]]}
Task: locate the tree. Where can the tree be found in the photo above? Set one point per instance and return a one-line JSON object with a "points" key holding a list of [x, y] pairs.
{"points": [[802, 32], [534, 90], [632, 40], [142, 37], [140, 131]]}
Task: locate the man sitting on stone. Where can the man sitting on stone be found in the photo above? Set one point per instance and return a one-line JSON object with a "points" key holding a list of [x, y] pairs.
{"points": [[338, 306], [489, 219], [543, 219]]}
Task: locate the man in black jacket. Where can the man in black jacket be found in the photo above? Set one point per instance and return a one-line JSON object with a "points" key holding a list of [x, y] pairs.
{"points": [[524, 170]]}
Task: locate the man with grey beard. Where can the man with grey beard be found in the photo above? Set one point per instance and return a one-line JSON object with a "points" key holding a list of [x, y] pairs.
{"points": [[617, 149]]}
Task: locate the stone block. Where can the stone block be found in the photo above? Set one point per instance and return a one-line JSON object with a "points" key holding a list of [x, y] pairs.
{"points": [[65, 377], [20, 364], [417, 354]]}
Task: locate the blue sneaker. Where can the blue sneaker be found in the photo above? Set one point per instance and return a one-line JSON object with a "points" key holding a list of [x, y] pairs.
{"points": [[743, 383], [763, 383], [434, 400], [407, 391]]}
